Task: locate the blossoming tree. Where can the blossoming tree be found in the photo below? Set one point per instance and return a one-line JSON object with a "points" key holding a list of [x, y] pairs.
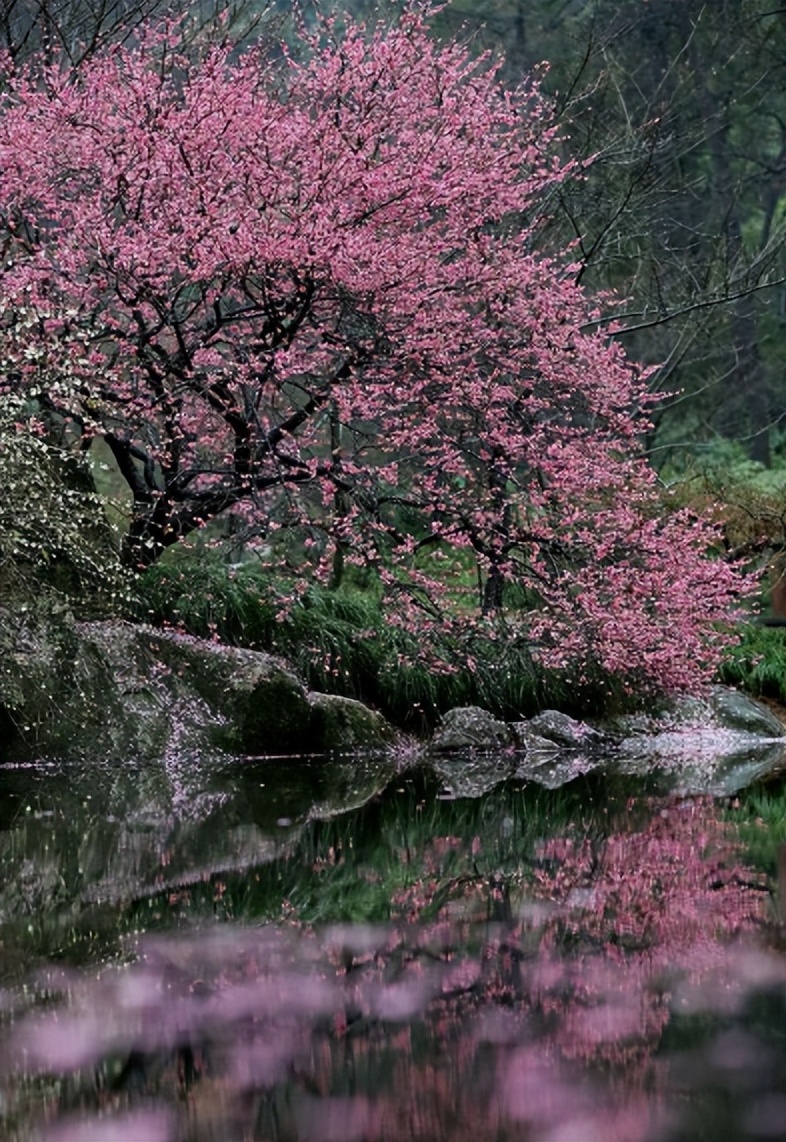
{"points": [[311, 293]]}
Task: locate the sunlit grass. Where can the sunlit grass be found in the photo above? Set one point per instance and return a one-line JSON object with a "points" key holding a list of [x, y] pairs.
{"points": [[340, 641]]}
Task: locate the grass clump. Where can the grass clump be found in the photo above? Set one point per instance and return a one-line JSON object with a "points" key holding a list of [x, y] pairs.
{"points": [[759, 815], [340, 642], [757, 664]]}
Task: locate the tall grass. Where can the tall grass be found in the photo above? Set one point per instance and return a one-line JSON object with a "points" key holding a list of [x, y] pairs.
{"points": [[340, 642], [758, 663], [759, 816]]}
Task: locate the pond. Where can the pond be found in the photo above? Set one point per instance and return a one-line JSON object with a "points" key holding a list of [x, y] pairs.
{"points": [[312, 950]]}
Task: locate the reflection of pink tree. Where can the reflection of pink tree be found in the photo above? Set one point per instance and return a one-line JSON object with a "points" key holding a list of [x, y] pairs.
{"points": [[670, 892], [541, 1023], [633, 915], [587, 972]]}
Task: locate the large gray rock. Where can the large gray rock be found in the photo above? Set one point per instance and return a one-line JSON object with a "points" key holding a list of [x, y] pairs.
{"points": [[534, 745], [256, 699], [118, 690], [718, 708], [717, 743], [470, 727], [563, 730], [340, 723], [56, 692]]}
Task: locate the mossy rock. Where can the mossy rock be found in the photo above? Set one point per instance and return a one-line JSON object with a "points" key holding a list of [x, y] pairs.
{"points": [[470, 727], [261, 703], [39, 701], [113, 690], [339, 723], [116, 691]]}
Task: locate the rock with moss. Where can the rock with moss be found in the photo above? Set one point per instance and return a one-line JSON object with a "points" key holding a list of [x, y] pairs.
{"points": [[718, 708], [39, 668], [116, 690], [718, 742], [470, 727], [258, 702], [340, 723], [562, 730]]}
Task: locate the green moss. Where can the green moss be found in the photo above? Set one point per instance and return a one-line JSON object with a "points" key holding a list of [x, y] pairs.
{"points": [[339, 723]]}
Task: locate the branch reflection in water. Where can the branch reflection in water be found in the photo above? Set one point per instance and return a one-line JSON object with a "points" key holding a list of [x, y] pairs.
{"points": [[620, 983]]}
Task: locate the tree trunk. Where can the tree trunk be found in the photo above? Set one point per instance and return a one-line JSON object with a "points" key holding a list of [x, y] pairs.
{"points": [[493, 591]]}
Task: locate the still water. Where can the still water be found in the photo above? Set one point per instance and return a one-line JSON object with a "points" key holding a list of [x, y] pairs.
{"points": [[302, 950]]}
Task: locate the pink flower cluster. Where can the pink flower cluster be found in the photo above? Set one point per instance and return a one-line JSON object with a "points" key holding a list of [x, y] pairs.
{"points": [[311, 293]]}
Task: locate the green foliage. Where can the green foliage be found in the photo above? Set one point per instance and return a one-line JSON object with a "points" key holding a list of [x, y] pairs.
{"points": [[399, 849], [745, 498], [748, 503], [339, 643], [757, 664], [760, 819], [681, 209], [53, 531]]}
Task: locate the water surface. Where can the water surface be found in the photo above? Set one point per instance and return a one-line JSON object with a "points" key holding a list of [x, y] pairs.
{"points": [[292, 949]]}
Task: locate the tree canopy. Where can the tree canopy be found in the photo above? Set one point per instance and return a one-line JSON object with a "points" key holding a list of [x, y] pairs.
{"points": [[312, 293], [678, 109]]}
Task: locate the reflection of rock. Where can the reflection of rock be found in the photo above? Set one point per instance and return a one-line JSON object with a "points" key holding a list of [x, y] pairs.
{"points": [[472, 773], [102, 836], [113, 690], [717, 743], [350, 784], [698, 759], [556, 769]]}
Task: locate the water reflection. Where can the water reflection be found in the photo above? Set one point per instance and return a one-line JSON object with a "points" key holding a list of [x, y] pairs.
{"points": [[585, 964]]}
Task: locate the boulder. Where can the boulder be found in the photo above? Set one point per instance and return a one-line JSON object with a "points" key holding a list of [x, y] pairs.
{"points": [[258, 703], [339, 723], [563, 730], [47, 679], [532, 744], [716, 743], [718, 708], [116, 690], [736, 711], [470, 727]]}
